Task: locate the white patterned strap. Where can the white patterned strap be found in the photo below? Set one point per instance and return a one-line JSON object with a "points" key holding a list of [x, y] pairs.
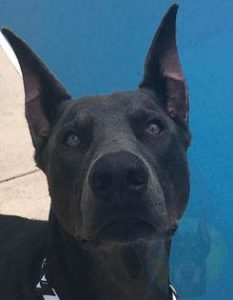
{"points": [[43, 288], [47, 292], [53, 295], [174, 293]]}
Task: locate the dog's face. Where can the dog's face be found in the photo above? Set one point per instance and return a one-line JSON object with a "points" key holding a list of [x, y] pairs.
{"points": [[116, 164]]}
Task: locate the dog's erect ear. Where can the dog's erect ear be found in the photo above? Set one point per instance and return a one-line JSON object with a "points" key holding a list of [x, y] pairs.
{"points": [[163, 73], [43, 92]]}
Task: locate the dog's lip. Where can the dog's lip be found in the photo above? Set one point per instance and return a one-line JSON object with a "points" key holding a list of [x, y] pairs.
{"points": [[124, 218], [126, 228]]}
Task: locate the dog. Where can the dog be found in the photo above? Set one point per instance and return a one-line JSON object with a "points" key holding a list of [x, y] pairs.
{"points": [[118, 177]]}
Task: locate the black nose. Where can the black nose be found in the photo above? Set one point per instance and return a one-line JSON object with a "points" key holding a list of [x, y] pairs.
{"points": [[121, 172]]}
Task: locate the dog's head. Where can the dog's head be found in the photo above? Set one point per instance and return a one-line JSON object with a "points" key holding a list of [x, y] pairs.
{"points": [[116, 165]]}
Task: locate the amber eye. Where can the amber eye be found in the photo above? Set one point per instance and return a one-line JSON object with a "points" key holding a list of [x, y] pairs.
{"points": [[72, 140], [153, 128]]}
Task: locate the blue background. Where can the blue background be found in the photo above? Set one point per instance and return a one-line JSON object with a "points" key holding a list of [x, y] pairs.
{"points": [[99, 46]]}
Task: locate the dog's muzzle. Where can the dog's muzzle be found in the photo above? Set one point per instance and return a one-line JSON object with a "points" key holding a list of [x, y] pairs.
{"points": [[122, 200]]}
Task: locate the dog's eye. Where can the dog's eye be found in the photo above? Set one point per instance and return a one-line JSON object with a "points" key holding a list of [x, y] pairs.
{"points": [[72, 140], [153, 128]]}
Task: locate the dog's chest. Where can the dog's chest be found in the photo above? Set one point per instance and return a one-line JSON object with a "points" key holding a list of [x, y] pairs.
{"points": [[45, 291]]}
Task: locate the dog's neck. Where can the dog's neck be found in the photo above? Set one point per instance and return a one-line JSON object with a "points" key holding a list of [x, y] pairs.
{"points": [[112, 270]]}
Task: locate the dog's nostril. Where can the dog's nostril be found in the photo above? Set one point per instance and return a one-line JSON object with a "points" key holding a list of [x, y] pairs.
{"points": [[136, 178]]}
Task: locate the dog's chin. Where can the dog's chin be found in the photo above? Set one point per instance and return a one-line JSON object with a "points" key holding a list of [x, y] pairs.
{"points": [[127, 229]]}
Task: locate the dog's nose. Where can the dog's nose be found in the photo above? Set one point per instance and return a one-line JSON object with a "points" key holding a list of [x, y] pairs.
{"points": [[121, 172]]}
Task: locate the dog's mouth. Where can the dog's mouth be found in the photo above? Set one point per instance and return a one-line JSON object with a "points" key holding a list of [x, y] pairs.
{"points": [[127, 229]]}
